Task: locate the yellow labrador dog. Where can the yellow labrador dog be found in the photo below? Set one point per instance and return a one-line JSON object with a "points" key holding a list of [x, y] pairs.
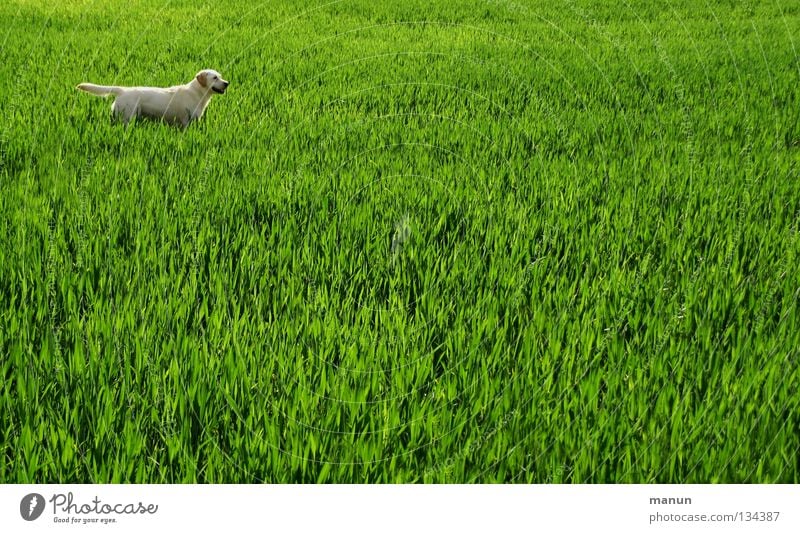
{"points": [[178, 105]]}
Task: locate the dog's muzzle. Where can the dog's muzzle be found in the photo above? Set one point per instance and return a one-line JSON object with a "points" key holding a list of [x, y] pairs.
{"points": [[220, 91]]}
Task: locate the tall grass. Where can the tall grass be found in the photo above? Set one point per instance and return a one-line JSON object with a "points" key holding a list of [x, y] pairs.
{"points": [[489, 241]]}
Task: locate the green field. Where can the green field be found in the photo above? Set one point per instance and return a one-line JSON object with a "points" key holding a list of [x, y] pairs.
{"points": [[475, 241]]}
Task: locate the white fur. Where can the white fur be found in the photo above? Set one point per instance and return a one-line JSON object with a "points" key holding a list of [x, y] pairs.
{"points": [[178, 105]]}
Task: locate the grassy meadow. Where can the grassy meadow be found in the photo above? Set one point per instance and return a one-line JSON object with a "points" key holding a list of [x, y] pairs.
{"points": [[478, 241]]}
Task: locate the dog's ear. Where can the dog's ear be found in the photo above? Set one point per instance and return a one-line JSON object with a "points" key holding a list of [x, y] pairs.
{"points": [[201, 79]]}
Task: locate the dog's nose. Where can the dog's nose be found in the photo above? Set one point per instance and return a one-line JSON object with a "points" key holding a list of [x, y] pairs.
{"points": [[226, 83]]}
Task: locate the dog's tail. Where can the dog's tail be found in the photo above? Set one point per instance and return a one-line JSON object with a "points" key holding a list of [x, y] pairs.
{"points": [[99, 90]]}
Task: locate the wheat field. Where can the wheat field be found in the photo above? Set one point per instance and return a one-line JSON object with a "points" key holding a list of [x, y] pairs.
{"points": [[443, 242]]}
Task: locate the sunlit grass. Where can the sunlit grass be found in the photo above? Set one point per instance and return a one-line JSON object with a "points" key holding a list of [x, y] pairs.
{"points": [[490, 241]]}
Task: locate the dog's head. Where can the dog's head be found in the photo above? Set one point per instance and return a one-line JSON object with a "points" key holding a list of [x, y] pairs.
{"points": [[211, 80]]}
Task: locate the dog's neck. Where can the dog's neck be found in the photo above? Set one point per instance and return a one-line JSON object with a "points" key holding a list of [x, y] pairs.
{"points": [[206, 93]]}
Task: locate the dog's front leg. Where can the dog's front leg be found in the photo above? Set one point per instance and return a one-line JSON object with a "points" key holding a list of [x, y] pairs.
{"points": [[186, 118]]}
